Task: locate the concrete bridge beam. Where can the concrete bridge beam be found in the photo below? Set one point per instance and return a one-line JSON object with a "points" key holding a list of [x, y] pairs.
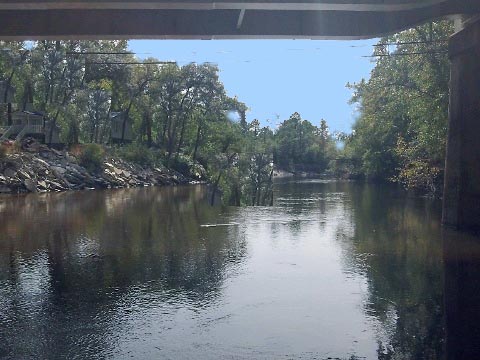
{"points": [[228, 19], [461, 202]]}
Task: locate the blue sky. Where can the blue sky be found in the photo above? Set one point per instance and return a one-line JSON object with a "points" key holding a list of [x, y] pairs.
{"points": [[275, 78]]}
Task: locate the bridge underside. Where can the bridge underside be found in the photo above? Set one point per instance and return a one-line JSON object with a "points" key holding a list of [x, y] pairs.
{"points": [[224, 19]]}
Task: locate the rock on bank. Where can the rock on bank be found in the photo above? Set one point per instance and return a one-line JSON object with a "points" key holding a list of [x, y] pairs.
{"points": [[37, 168]]}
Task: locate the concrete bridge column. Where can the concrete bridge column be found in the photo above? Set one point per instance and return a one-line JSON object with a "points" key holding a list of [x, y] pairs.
{"points": [[461, 257], [461, 201]]}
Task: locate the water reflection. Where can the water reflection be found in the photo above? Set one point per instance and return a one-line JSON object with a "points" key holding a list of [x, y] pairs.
{"points": [[87, 260], [395, 242], [332, 270], [401, 254]]}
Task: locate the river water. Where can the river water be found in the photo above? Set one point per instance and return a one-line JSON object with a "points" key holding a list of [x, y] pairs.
{"points": [[334, 270]]}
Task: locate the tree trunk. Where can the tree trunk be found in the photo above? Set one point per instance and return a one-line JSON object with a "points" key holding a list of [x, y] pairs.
{"points": [[197, 142], [7, 86], [5, 96], [254, 195], [171, 142], [237, 196], [182, 134], [92, 129], [164, 131], [148, 130], [9, 114], [215, 187], [268, 194]]}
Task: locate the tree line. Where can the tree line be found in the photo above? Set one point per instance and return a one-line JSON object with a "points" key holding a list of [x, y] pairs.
{"points": [[181, 115], [400, 133]]}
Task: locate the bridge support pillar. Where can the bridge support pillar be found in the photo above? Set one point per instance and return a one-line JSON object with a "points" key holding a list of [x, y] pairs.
{"points": [[461, 257], [461, 200]]}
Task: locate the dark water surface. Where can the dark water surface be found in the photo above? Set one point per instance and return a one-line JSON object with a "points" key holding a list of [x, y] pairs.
{"points": [[333, 270]]}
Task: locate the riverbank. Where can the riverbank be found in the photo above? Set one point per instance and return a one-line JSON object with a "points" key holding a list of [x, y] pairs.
{"points": [[33, 167]]}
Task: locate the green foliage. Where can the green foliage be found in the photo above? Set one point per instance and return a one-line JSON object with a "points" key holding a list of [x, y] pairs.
{"points": [[73, 132], [238, 160], [186, 166], [139, 154], [91, 157], [417, 173], [259, 164], [401, 130], [301, 146]]}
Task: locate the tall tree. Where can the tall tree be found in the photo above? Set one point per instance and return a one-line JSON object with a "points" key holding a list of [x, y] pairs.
{"points": [[301, 146], [401, 131]]}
